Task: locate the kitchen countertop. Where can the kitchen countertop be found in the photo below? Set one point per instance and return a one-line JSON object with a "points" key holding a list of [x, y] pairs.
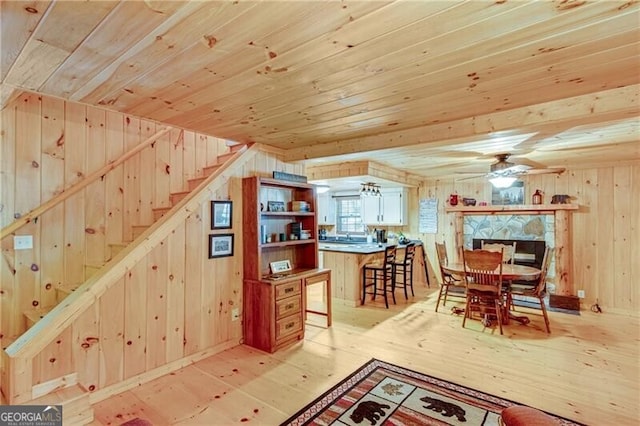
{"points": [[356, 247]]}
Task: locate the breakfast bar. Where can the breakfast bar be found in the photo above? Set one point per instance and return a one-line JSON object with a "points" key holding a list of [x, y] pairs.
{"points": [[346, 260]]}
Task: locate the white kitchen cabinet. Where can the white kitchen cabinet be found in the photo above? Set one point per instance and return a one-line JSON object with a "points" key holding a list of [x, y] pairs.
{"points": [[326, 209], [390, 209]]}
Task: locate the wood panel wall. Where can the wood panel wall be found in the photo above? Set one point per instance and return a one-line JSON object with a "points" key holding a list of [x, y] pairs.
{"points": [[175, 302], [605, 230]]}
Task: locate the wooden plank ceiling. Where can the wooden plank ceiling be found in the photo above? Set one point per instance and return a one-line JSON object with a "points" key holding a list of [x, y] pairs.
{"points": [[431, 87]]}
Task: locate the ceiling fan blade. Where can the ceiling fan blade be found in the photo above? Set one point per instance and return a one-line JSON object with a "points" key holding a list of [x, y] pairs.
{"points": [[544, 171]]}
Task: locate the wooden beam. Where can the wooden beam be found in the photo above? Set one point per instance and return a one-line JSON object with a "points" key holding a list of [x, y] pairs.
{"points": [[611, 104], [38, 211], [362, 168]]}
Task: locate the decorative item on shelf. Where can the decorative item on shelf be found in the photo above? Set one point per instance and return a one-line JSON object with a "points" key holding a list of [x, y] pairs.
{"points": [[280, 266], [275, 206], [468, 201], [305, 234], [221, 214], [453, 199], [220, 245], [295, 229], [300, 206], [290, 177], [561, 199], [537, 197], [370, 189]]}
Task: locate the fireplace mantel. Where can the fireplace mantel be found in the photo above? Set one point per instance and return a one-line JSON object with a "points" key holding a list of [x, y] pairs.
{"points": [[562, 227], [513, 209]]}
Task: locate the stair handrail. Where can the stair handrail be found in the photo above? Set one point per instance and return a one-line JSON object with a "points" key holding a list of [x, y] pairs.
{"points": [[66, 193]]}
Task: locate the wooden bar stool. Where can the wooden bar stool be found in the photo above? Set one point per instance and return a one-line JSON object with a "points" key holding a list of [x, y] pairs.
{"points": [[384, 273], [404, 270]]}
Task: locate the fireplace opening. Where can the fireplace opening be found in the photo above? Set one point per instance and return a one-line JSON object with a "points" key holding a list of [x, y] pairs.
{"points": [[528, 252]]}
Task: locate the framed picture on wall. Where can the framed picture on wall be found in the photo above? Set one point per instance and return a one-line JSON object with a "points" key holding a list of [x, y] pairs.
{"points": [[220, 245], [221, 214], [512, 195]]}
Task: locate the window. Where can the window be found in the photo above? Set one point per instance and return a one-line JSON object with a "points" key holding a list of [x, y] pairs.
{"points": [[348, 214]]}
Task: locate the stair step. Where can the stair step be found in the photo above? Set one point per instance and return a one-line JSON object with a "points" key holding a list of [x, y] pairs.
{"points": [[90, 270], [76, 406], [116, 248], [209, 170], [138, 230], [237, 147], [35, 315], [63, 290], [175, 197], [224, 157], [159, 212], [194, 183]]}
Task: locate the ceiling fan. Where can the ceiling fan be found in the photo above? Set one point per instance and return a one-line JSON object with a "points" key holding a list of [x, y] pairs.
{"points": [[503, 172]]}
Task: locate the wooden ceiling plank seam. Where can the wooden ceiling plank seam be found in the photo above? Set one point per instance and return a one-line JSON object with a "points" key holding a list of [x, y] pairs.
{"points": [[376, 85], [125, 68], [111, 38], [49, 47], [623, 100], [19, 20], [155, 98], [510, 72]]}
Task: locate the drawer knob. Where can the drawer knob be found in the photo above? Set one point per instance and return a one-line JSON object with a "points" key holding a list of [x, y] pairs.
{"points": [[289, 306], [288, 290], [290, 325]]}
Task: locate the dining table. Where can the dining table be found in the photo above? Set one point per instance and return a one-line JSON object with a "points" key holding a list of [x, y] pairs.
{"points": [[510, 272]]}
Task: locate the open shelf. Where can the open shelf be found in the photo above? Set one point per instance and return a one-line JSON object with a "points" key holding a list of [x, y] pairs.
{"points": [[288, 243]]}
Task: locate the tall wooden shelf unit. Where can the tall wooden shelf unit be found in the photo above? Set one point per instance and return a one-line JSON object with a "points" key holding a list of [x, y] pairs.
{"points": [[275, 308]]}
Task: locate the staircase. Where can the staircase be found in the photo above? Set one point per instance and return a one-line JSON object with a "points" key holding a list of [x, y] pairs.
{"points": [[32, 316]]}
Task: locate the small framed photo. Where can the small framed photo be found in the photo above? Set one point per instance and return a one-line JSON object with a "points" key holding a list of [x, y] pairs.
{"points": [[275, 206], [221, 214], [280, 266], [220, 245]]}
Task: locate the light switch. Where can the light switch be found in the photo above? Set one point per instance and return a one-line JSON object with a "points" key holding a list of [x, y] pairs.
{"points": [[22, 242]]}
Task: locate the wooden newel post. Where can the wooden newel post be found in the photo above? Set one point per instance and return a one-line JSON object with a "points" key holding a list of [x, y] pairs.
{"points": [[564, 262], [459, 228]]}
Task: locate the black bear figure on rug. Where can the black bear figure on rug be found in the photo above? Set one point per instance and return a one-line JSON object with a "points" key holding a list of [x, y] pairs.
{"points": [[445, 408], [369, 410]]}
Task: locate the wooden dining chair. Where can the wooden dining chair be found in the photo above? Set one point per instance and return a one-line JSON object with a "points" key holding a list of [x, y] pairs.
{"points": [[450, 285], [539, 290], [380, 277], [508, 250], [483, 276]]}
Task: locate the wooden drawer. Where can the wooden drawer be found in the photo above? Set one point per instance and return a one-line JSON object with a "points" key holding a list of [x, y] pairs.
{"points": [[288, 326], [288, 306], [288, 289]]}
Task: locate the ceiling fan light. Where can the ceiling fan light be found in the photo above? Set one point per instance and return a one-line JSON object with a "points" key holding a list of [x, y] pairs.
{"points": [[502, 181]]}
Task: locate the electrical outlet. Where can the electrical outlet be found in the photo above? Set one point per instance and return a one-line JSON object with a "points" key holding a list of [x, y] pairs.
{"points": [[22, 242], [235, 314], [581, 294]]}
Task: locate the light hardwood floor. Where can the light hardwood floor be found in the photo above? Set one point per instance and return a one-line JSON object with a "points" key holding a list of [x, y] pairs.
{"points": [[588, 369]]}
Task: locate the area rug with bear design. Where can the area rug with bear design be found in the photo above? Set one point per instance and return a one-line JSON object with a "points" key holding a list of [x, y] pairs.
{"points": [[379, 393]]}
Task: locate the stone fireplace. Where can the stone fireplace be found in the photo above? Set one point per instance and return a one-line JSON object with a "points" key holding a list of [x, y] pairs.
{"points": [[550, 223]]}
